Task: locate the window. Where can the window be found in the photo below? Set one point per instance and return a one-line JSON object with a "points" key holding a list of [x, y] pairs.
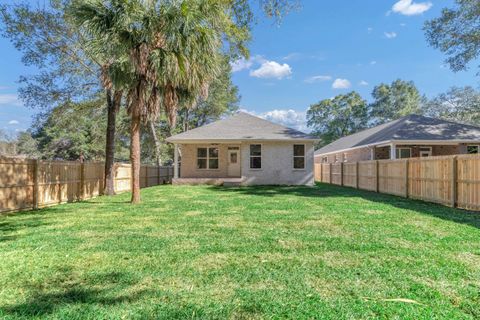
{"points": [[473, 149], [403, 153], [255, 156], [207, 158], [233, 158], [299, 156], [324, 159], [425, 151]]}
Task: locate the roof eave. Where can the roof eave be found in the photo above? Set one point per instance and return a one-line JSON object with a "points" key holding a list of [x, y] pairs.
{"points": [[388, 142], [193, 141]]}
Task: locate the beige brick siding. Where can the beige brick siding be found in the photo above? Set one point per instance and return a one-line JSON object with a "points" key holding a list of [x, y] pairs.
{"points": [[189, 162], [277, 163]]}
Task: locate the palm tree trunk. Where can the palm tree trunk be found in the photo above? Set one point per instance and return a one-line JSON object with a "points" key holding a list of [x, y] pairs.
{"points": [[113, 105], [157, 144], [135, 158]]}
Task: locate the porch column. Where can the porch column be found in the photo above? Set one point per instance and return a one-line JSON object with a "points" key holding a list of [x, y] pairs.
{"points": [[393, 151], [372, 153], [175, 161]]}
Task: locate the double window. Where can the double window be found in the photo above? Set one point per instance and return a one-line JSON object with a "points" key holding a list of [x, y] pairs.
{"points": [[207, 158], [403, 153], [255, 156], [299, 156]]}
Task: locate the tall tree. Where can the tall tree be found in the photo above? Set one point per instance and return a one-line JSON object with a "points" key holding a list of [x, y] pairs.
{"points": [[69, 68], [394, 101], [223, 98], [72, 131], [456, 33], [457, 104], [173, 49], [331, 119]]}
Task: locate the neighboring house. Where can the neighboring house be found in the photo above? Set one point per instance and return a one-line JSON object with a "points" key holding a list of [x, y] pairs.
{"points": [[244, 150], [410, 136]]}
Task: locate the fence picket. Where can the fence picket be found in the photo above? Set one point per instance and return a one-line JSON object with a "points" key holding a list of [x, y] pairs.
{"points": [[32, 184], [448, 180]]}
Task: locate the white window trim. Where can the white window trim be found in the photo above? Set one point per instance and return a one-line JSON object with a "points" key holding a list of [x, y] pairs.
{"points": [[401, 148], [208, 158], [304, 156], [250, 156], [473, 145], [430, 149]]}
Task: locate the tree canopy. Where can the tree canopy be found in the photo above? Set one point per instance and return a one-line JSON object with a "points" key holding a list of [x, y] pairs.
{"points": [[395, 100], [331, 119], [457, 33], [458, 104]]}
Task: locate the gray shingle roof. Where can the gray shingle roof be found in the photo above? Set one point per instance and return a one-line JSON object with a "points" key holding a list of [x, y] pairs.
{"points": [[412, 127], [241, 126]]}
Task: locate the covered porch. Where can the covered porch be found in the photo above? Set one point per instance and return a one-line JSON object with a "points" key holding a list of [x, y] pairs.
{"points": [[403, 150], [208, 163]]}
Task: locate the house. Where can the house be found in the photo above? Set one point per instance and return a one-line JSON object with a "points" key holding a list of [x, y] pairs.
{"points": [[410, 136], [243, 150]]}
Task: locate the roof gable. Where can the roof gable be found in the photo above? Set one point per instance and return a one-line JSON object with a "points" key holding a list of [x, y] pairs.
{"points": [[241, 126], [412, 127]]}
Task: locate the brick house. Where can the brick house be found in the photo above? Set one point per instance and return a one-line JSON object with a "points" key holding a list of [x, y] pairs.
{"points": [[408, 137], [243, 150]]}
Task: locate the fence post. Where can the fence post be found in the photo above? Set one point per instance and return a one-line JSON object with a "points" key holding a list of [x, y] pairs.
{"points": [[82, 181], [35, 183], [341, 173], [376, 176], [406, 178], [356, 175], [454, 181], [330, 173], [158, 175]]}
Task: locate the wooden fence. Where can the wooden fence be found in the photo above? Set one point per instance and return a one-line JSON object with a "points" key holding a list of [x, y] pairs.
{"points": [[30, 184], [448, 180]]}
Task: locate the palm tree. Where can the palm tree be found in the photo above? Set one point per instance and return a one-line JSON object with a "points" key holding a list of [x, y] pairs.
{"points": [[173, 49]]}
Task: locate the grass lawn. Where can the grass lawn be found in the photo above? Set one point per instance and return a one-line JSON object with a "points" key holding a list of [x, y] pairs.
{"points": [[245, 253]]}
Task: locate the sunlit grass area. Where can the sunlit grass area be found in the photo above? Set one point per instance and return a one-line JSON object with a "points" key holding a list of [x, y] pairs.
{"points": [[245, 253]]}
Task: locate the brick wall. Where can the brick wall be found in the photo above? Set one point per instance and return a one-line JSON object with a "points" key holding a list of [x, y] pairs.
{"points": [[382, 153]]}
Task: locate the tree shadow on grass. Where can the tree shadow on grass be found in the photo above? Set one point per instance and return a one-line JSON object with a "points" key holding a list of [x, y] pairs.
{"points": [[101, 289], [8, 228], [321, 190]]}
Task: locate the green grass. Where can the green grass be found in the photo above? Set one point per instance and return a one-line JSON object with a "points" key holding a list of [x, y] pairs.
{"points": [[261, 252]]}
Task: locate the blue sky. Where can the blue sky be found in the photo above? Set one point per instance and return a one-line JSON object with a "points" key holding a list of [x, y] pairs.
{"points": [[323, 49]]}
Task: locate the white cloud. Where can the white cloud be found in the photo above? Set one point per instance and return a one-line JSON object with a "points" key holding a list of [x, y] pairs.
{"points": [[363, 83], [286, 117], [241, 64], [4, 87], [318, 79], [403, 24], [341, 84], [11, 99], [272, 69], [373, 62], [244, 64], [390, 35], [13, 122], [410, 8], [369, 29]]}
